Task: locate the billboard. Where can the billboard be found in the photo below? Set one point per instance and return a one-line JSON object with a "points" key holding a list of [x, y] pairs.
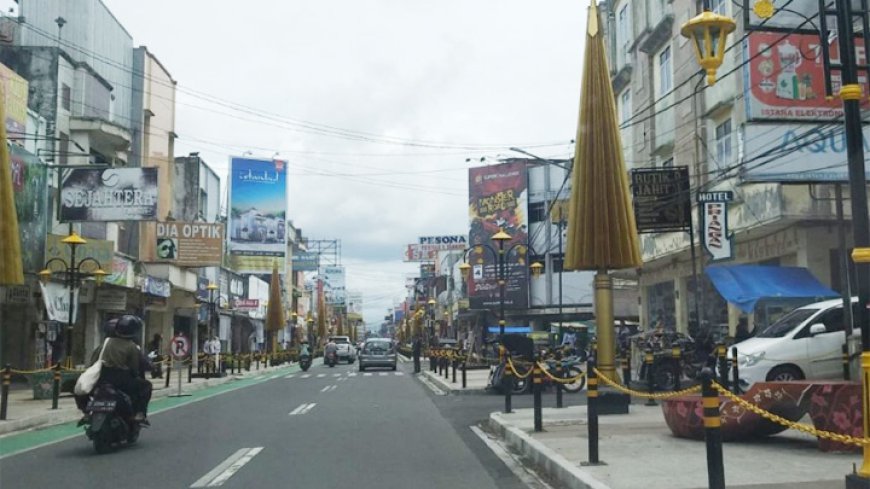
{"points": [[441, 243], [306, 261], [797, 153], [30, 187], [258, 213], [190, 244], [416, 252], [786, 81], [498, 199], [108, 194], [354, 302], [661, 199], [332, 278], [15, 90]]}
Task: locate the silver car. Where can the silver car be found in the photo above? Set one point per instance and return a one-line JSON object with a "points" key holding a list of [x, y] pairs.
{"points": [[377, 352]]}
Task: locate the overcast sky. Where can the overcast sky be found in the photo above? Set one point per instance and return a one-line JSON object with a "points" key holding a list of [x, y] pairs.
{"points": [[456, 75]]}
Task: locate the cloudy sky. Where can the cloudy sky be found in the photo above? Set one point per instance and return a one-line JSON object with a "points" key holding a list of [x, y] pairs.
{"points": [[376, 104]]}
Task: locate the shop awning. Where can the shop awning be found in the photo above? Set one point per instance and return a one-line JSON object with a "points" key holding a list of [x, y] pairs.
{"points": [[745, 285]]}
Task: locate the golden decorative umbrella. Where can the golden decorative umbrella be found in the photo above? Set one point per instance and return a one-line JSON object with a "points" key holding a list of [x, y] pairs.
{"points": [[275, 310], [602, 234], [11, 267]]}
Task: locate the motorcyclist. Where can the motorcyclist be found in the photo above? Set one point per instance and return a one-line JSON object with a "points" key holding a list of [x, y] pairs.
{"points": [[330, 349], [122, 364], [304, 351]]}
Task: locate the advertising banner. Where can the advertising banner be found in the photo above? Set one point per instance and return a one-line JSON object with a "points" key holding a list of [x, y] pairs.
{"points": [[246, 304], [797, 153], [416, 252], [56, 297], [718, 238], [190, 244], [157, 287], [354, 302], [121, 273], [333, 284], [15, 90], [498, 199], [30, 187], [661, 199], [98, 249], [786, 82], [441, 243], [258, 212], [108, 194], [306, 261]]}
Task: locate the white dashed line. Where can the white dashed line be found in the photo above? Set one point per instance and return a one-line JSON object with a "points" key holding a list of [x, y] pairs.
{"points": [[306, 376], [320, 376], [290, 376], [367, 374], [220, 474]]}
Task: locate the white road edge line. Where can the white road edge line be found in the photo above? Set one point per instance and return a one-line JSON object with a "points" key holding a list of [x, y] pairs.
{"points": [[298, 409], [305, 376], [382, 374], [205, 480], [336, 375], [234, 467], [399, 373], [290, 376], [367, 374], [432, 387], [529, 478]]}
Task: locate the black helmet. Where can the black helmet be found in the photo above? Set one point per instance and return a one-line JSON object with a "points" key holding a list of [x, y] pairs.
{"points": [[109, 327], [127, 326]]}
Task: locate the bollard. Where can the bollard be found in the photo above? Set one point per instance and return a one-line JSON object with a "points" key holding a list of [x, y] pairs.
{"points": [[250, 359], [626, 368], [168, 373], [199, 364], [847, 375], [536, 392], [464, 379], [735, 383], [189, 372], [722, 354], [712, 432], [453, 363], [55, 387], [446, 367], [676, 354], [559, 375], [258, 361], [592, 410], [432, 366], [4, 391], [648, 359], [507, 385]]}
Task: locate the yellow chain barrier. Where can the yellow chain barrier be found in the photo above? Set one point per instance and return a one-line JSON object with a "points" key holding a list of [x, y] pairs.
{"points": [[566, 380], [645, 395], [29, 372], [811, 430], [510, 365]]}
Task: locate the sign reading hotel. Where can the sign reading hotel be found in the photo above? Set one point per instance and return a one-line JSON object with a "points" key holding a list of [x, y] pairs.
{"points": [[108, 194], [717, 237], [190, 244]]}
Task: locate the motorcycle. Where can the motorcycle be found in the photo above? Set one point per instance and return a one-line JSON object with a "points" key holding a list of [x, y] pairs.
{"points": [[109, 422], [331, 359], [305, 363]]}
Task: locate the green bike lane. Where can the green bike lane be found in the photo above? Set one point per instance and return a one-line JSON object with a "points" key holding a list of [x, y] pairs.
{"points": [[16, 443]]}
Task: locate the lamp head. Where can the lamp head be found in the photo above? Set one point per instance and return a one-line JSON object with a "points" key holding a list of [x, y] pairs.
{"points": [[501, 236], [44, 276], [536, 269], [464, 269], [708, 32], [99, 274]]}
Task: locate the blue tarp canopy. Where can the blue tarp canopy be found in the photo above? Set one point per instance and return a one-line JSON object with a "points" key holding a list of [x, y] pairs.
{"points": [[511, 329], [745, 285]]}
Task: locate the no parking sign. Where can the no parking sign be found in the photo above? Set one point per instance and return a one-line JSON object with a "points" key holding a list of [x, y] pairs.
{"points": [[180, 346]]}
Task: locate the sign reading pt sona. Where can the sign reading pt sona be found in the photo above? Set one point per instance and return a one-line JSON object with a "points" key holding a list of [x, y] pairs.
{"points": [[192, 244]]}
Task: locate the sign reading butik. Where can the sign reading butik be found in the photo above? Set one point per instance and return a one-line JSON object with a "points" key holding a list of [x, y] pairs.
{"points": [[191, 244], [661, 199]]}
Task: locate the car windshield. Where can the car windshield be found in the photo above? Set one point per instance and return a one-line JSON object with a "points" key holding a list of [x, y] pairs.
{"points": [[787, 323], [340, 340], [378, 347]]}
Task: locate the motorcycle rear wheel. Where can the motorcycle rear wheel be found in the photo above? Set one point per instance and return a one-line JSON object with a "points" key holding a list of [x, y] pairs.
{"points": [[102, 442]]}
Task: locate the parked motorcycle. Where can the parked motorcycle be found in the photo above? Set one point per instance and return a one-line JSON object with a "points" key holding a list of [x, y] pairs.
{"points": [[305, 363], [109, 422]]}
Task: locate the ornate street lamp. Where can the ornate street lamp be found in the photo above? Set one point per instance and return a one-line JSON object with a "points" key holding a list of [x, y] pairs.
{"points": [[73, 277], [708, 32]]}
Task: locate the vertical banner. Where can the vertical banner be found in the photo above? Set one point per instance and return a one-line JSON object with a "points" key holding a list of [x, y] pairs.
{"points": [[333, 284], [258, 213], [717, 238], [30, 184], [498, 199]]}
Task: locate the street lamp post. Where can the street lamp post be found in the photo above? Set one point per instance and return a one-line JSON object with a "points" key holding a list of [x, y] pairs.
{"points": [[500, 254], [73, 276], [431, 304]]}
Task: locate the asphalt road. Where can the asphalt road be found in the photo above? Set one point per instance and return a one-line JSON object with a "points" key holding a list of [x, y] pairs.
{"points": [[332, 427]]}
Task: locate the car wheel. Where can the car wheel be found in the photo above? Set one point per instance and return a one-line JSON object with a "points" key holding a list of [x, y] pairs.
{"points": [[784, 373], [394, 368]]}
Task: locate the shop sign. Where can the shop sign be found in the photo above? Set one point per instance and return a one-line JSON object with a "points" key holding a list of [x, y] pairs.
{"points": [[191, 244], [111, 299], [156, 287], [417, 252], [246, 304], [56, 298], [18, 294], [121, 268], [108, 194], [774, 246], [661, 199], [443, 243], [717, 237]]}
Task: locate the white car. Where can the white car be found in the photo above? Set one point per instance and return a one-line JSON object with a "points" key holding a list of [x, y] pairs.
{"points": [[806, 343], [346, 351]]}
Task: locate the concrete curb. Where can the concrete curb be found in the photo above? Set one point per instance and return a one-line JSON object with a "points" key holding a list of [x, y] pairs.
{"points": [[452, 388], [555, 465], [69, 413]]}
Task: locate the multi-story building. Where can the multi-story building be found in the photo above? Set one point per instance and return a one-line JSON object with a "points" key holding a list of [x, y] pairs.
{"points": [[783, 211]]}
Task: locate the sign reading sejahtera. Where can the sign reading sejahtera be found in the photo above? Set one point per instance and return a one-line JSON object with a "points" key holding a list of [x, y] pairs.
{"points": [[108, 194]]}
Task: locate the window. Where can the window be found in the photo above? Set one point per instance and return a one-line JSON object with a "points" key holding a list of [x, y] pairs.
{"points": [[719, 6], [203, 203], [537, 212], [723, 142], [63, 149], [625, 106], [623, 35], [65, 97], [665, 81]]}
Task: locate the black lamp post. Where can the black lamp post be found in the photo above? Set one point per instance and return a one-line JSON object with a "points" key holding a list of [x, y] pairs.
{"points": [[73, 277]]}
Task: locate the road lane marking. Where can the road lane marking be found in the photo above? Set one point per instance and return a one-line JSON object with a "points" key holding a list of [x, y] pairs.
{"points": [[398, 373], [220, 474], [320, 376], [336, 375], [308, 408], [351, 374], [432, 387], [382, 374], [325, 388], [290, 376], [531, 479], [299, 409], [367, 374], [305, 376], [342, 379]]}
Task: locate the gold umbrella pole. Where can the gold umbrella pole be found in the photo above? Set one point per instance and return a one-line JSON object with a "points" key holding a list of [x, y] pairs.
{"points": [[606, 354]]}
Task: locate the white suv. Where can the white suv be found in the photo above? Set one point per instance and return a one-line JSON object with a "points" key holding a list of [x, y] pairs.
{"points": [[345, 349], [804, 344]]}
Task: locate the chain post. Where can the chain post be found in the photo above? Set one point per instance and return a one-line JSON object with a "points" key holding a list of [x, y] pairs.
{"points": [[190, 372], [847, 374], [55, 387], [722, 354], [648, 359], [453, 362], [560, 374], [626, 368], [712, 431], [4, 393], [536, 392], [464, 377], [735, 372], [168, 373], [592, 410]]}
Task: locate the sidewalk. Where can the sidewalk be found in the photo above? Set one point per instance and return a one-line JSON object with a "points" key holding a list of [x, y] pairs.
{"points": [[475, 381], [639, 451], [24, 412]]}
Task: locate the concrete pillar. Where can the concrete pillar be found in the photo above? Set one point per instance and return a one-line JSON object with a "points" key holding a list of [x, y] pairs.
{"points": [[681, 303], [734, 314]]}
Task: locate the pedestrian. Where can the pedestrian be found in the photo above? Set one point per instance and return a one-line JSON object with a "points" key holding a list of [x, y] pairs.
{"points": [[418, 346]]}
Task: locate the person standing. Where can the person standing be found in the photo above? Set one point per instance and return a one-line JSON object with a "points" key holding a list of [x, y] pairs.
{"points": [[417, 350]]}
